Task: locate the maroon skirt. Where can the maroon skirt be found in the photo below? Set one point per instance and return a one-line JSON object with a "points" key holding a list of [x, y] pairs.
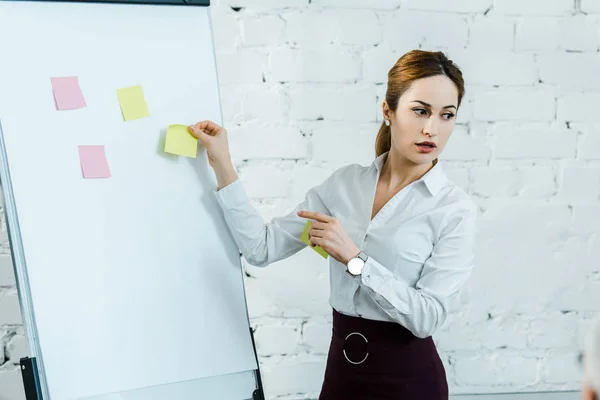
{"points": [[371, 360]]}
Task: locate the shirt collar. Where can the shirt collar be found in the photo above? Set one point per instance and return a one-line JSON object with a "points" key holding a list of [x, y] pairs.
{"points": [[434, 179]]}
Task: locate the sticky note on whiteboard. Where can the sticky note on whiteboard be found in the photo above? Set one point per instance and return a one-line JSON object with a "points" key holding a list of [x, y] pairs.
{"points": [[306, 240], [93, 162], [180, 141], [133, 103], [67, 93]]}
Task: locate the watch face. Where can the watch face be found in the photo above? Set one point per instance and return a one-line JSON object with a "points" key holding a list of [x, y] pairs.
{"points": [[355, 266]]}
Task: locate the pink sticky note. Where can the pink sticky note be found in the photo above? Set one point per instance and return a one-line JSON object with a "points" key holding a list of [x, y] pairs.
{"points": [[93, 162], [67, 93]]}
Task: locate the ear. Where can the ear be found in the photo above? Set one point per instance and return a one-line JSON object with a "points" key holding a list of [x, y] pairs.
{"points": [[386, 110]]}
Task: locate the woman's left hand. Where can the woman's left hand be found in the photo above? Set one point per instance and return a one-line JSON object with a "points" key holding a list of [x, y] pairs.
{"points": [[328, 233]]}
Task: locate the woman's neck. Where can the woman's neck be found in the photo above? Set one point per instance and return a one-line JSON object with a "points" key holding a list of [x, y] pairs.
{"points": [[399, 172]]}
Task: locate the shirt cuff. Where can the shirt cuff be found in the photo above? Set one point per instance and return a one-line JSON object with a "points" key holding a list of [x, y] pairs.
{"points": [[232, 195]]}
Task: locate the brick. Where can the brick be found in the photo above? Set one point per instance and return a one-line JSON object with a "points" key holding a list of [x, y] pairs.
{"points": [[296, 295], [226, 31], [557, 69], [17, 348], [502, 332], [457, 335], [590, 6], [464, 147], [537, 182], [11, 384], [266, 104], [262, 30], [316, 337], [534, 141], [7, 274], [284, 142], [582, 216], [459, 176], [334, 103], [459, 6], [264, 181], [495, 182], [378, 61], [259, 304], [281, 377], [277, 339], [534, 7], [360, 28], [539, 34], [311, 29], [229, 67], [498, 369], [327, 65], [514, 104], [504, 250], [490, 68], [579, 107], [345, 27], [443, 30], [360, 149], [266, 4], [581, 33], [580, 184], [365, 4], [561, 368], [487, 31], [589, 141], [10, 311], [553, 333]]}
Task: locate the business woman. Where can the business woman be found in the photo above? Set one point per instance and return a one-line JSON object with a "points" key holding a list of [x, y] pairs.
{"points": [[399, 233]]}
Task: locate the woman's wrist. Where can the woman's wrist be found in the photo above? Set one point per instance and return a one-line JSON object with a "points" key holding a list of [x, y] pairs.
{"points": [[226, 174]]}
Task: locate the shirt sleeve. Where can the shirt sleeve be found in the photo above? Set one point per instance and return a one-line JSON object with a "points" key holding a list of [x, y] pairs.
{"points": [[264, 243], [424, 308]]}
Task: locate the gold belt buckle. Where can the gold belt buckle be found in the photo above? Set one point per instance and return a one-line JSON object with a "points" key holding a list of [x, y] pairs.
{"points": [[344, 350]]}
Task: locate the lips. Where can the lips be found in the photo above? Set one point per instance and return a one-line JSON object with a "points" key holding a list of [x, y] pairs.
{"points": [[426, 147], [427, 144]]}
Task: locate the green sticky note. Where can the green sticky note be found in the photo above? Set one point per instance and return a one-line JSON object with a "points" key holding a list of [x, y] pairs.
{"points": [[305, 239], [180, 141], [132, 102]]}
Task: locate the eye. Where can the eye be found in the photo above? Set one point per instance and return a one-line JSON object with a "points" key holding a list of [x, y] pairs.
{"points": [[420, 111], [448, 116]]}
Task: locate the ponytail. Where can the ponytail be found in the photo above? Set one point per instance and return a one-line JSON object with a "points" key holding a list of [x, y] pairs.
{"points": [[383, 143]]}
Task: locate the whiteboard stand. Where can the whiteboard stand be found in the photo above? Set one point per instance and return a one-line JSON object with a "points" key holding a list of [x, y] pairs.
{"points": [[158, 23]]}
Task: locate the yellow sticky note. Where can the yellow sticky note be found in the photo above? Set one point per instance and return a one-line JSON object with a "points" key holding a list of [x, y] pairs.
{"points": [[180, 141], [305, 239], [132, 102]]}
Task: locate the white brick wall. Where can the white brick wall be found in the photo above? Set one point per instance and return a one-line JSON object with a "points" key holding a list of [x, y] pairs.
{"points": [[302, 84]]}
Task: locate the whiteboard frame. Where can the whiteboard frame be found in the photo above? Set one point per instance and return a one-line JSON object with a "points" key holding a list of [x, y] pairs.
{"points": [[16, 244]]}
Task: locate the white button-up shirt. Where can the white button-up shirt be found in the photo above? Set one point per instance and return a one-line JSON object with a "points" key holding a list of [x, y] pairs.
{"points": [[419, 245]]}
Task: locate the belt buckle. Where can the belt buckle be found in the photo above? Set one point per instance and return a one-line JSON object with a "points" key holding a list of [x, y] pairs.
{"points": [[344, 350]]}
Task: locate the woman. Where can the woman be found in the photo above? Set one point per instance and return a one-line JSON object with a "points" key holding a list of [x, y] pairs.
{"points": [[399, 234]]}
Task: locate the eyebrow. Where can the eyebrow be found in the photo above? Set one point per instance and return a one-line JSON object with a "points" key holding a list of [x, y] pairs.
{"points": [[429, 105]]}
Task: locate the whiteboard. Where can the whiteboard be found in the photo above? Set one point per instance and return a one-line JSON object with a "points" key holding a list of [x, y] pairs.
{"points": [[133, 282]]}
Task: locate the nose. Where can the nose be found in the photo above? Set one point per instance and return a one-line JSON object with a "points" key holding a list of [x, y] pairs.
{"points": [[431, 127]]}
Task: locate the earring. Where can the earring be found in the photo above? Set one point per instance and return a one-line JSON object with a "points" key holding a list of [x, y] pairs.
{"points": [[387, 122]]}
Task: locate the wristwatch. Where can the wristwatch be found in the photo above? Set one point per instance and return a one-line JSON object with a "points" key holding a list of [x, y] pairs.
{"points": [[355, 266]]}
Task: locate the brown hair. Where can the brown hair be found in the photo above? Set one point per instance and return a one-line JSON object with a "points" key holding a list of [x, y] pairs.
{"points": [[414, 65]]}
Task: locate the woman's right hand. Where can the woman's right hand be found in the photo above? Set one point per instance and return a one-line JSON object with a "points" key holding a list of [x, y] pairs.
{"points": [[214, 138]]}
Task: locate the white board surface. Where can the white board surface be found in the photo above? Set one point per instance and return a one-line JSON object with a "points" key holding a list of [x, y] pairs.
{"points": [[135, 280]]}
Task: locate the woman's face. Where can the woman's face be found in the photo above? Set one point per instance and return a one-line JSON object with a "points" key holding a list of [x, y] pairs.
{"points": [[424, 119]]}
